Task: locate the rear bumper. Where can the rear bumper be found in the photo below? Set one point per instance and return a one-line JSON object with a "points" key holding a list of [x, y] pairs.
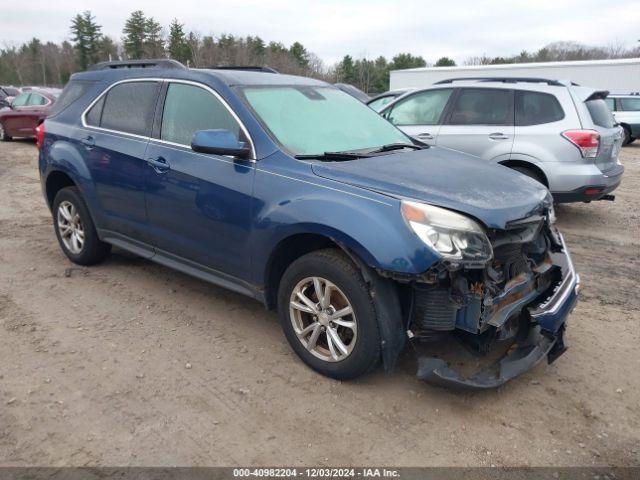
{"points": [[594, 188], [545, 338]]}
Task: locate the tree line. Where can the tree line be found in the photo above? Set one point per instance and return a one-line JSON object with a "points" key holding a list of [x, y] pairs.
{"points": [[38, 63]]}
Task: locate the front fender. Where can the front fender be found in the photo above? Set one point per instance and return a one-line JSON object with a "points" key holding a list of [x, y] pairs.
{"points": [[366, 223]]}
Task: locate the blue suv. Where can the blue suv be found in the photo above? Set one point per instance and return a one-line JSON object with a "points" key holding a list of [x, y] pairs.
{"points": [[292, 192]]}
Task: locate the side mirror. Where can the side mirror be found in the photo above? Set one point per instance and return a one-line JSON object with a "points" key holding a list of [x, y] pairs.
{"points": [[219, 142]]}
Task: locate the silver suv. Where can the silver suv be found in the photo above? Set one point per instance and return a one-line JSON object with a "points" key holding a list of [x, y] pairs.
{"points": [[561, 134], [626, 111]]}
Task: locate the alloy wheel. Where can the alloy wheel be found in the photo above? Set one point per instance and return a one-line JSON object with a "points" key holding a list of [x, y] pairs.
{"points": [[323, 319], [70, 227]]}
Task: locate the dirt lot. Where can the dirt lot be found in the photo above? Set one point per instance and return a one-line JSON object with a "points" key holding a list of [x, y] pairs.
{"points": [[130, 363]]}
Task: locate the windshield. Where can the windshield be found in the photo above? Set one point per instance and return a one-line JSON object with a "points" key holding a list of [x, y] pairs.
{"points": [[310, 120]]}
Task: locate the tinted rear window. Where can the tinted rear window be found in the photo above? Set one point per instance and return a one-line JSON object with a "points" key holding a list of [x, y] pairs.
{"points": [[72, 92], [535, 108], [129, 107], [482, 106], [600, 113]]}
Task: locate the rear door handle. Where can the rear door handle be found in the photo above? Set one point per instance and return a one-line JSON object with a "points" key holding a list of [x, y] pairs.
{"points": [[89, 142], [425, 136], [498, 136], [160, 165]]}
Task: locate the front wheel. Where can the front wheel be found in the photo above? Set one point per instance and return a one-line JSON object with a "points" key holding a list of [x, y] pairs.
{"points": [[75, 229], [626, 136], [327, 315]]}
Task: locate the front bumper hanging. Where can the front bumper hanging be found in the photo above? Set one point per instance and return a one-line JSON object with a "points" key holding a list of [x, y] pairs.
{"points": [[545, 338]]}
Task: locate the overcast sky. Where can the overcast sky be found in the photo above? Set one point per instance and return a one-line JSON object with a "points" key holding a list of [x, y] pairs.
{"points": [[332, 28]]}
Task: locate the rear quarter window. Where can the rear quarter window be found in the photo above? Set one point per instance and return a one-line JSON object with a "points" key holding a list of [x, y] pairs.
{"points": [[72, 92], [600, 113], [128, 107], [536, 108]]}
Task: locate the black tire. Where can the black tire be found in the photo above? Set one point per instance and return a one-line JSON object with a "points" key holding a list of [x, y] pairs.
{"points": [[3, 134], [531, 174], [336, 267], [93, 249], [626, 136]]}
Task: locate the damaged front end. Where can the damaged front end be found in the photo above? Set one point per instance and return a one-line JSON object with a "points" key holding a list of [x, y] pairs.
{"points": [[521, 297]]}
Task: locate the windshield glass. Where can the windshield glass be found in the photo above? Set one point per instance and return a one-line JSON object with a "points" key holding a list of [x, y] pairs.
{"points": [[310, 120]]}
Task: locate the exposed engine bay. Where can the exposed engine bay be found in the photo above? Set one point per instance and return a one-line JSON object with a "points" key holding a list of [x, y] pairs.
{"points": [[483, 305]]}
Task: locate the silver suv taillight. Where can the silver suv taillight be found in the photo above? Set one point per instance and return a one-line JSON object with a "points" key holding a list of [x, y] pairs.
{"points": [[587, 141]]}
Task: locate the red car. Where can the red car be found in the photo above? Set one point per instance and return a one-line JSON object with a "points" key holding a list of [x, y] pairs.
{"points": [[26, 112]]}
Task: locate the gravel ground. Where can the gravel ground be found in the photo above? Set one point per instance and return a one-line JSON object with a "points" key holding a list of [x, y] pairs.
{"points": [[130, 363]]}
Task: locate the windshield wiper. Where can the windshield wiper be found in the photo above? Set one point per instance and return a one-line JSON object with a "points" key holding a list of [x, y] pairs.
{"points": [[397, 146], [332, 156]]}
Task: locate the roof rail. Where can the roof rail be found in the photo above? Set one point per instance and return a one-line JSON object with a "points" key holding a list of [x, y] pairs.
{"points": [[555, 83], [248, 68], [147, 63]]}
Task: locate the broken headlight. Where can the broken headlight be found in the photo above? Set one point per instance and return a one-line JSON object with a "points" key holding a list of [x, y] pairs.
{"points": [[456, 237]]}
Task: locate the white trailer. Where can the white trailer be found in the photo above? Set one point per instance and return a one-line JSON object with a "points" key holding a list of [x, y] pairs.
{"points": [[616, 76]]}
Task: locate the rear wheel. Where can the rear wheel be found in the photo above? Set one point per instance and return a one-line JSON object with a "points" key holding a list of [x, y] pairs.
{"points": [[530, 173], [327, 315], [75, 229], [4, 137]]}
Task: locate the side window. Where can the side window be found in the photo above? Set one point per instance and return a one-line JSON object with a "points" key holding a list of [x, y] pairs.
{"points": [[630, 104], [20, 100], [535, 108], [128, 107], [36, 99], [378, 103], [611, 103], [482, 106], [423, 108], [93, 116], [188, 109]]}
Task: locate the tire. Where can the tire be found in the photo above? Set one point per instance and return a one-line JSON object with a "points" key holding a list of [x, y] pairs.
{"points": [[531, 174], [3, 134], [348, 289], [70, 218], [626, 140]]}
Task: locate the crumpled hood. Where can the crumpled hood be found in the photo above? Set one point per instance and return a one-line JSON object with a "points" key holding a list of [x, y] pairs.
{"points": [[493, 194]]}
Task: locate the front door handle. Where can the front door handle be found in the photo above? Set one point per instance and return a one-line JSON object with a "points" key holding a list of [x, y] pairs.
{"points": [[498, 136], [160, 165], [89, 142], [425, 136]]}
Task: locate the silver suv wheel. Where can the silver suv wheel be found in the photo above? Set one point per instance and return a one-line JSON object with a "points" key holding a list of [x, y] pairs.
{"points": [[70, 227], [323, 319]]}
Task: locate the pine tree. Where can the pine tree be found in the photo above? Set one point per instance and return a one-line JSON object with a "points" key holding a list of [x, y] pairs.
{"points": [[177, 44], [153, 43], [300, 54], [135, 35], [87, 38]]}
